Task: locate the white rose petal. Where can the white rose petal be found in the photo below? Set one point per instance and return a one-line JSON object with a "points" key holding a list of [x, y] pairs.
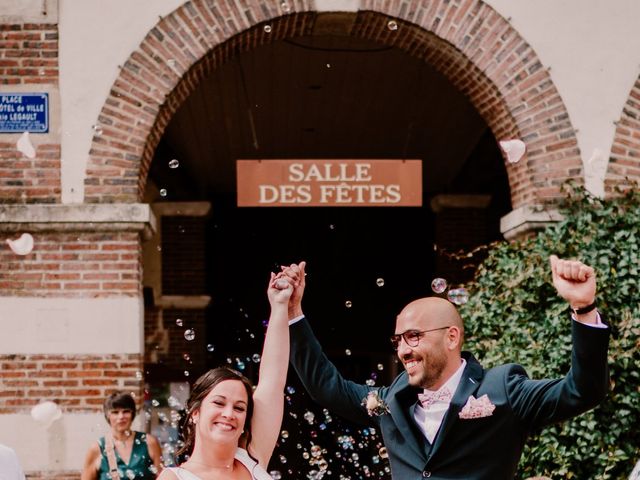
{"points": [[21, 246], [46, 413], [25, 147], [514, 149]]}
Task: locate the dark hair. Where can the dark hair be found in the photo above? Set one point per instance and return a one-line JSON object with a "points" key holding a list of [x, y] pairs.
{"points": [[119, 400], [200, 390]]}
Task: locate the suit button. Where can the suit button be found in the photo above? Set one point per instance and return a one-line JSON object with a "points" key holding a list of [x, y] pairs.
{"points": [[426, 474]]}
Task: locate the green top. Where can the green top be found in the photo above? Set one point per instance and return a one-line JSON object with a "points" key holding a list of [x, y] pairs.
{"points": [[140, 465]]}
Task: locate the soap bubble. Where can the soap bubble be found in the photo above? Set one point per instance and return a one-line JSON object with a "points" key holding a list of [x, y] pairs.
{"points": [[174, 163], [459, 296], [380, 282], [439, 285], [189, 334], [309, 416]]}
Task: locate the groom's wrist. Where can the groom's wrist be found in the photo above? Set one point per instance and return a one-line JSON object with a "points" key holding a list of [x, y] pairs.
{"points": [[583, 308]]}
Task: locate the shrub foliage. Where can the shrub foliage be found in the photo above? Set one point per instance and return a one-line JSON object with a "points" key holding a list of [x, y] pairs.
{"points": [[515, 315]]}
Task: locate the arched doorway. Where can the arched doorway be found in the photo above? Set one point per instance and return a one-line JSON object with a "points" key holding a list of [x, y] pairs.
{"points": [[489, 74]]}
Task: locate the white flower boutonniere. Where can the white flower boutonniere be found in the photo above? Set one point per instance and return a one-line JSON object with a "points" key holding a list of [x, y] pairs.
{"points": [[374, 404]]}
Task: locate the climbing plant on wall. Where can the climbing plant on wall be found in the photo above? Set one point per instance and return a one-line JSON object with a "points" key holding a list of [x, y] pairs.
{"points": [[515, 315]]}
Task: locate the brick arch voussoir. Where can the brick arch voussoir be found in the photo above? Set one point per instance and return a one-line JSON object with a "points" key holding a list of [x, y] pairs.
{"points": [[486, 59], [467, 41], [623, 169], [157, 76]]}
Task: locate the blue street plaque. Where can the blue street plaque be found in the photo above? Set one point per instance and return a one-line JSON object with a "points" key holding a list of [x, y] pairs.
{"points": [[24, 112]]}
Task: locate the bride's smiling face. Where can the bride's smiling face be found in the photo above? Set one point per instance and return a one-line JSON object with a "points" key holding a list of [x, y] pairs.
{"points": [[223, 412]]}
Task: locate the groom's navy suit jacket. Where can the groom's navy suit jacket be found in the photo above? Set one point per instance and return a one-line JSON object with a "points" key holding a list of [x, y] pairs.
{"points": [[486, 448]]}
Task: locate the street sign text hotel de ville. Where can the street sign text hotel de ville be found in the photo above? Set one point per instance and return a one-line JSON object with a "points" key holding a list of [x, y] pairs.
{"points": [[24, 112], [329, 183]]}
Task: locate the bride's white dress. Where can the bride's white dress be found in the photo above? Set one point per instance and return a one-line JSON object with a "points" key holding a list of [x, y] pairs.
{"points": [[257, 472]]}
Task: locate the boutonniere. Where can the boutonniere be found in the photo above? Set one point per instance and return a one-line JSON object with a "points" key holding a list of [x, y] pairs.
{"points": [[477, 408], [374, 404]]}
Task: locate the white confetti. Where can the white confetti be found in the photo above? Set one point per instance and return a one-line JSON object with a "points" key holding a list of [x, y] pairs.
{"points": [[21, 246], [25, 147], [46, 413], [514, 149]]}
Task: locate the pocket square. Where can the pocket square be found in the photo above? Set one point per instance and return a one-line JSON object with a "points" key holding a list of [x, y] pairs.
{"points": [[477, 408]]}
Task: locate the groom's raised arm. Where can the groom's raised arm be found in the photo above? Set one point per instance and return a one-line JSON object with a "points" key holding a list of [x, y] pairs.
{"points": [[317, 373]]}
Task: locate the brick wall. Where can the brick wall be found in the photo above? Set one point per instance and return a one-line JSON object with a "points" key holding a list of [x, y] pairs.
{"points": [[624, 163], [168, 354], [76, 264], [75, 382], [473, 46], [183, 256], [29, 180], [28, 54]]}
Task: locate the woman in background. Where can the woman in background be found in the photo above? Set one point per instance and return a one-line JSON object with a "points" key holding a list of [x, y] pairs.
{"points": [[123, 454]]}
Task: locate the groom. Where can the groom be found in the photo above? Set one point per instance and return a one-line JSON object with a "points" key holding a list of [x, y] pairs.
{"points": [[445, 417]]}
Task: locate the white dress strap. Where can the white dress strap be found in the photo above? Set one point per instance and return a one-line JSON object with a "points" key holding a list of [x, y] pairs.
{"points": [[257, 472], [182, 473]]}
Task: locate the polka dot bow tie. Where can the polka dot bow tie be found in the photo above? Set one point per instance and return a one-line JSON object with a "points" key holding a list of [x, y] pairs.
{"points": [[428, 398]]}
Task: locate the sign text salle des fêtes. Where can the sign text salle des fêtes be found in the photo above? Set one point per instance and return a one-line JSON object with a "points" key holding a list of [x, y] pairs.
{"points": [[329, 183]]}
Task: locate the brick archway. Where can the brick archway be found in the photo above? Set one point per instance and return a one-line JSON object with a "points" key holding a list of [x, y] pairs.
{"points": [[467, 41], [624, 164]]}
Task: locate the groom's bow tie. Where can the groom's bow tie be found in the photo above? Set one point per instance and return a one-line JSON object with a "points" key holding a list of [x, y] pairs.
{"points": [[428, 398]]}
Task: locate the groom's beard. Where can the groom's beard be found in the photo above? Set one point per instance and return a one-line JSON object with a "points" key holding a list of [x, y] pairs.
{"points": [[432, 365]]}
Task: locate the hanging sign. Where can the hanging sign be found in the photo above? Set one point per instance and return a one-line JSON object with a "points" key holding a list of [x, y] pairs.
{"points": [[24, 112], [329, 183]]}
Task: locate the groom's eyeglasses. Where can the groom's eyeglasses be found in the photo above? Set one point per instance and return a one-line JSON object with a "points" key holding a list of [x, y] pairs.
{"points": [[411, 337]]}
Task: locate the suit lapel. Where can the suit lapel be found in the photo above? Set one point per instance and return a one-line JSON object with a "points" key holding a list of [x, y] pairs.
{"points": [[469, 384], [401, 408]]}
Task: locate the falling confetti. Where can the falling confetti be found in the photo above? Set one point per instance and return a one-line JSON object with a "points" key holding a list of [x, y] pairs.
{"points": [[21, 246], [514, 149], [25, 146], [45, 413]]}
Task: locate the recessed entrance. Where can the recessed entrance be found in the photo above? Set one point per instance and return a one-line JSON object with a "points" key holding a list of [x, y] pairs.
{"points": [[313, 97]]}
